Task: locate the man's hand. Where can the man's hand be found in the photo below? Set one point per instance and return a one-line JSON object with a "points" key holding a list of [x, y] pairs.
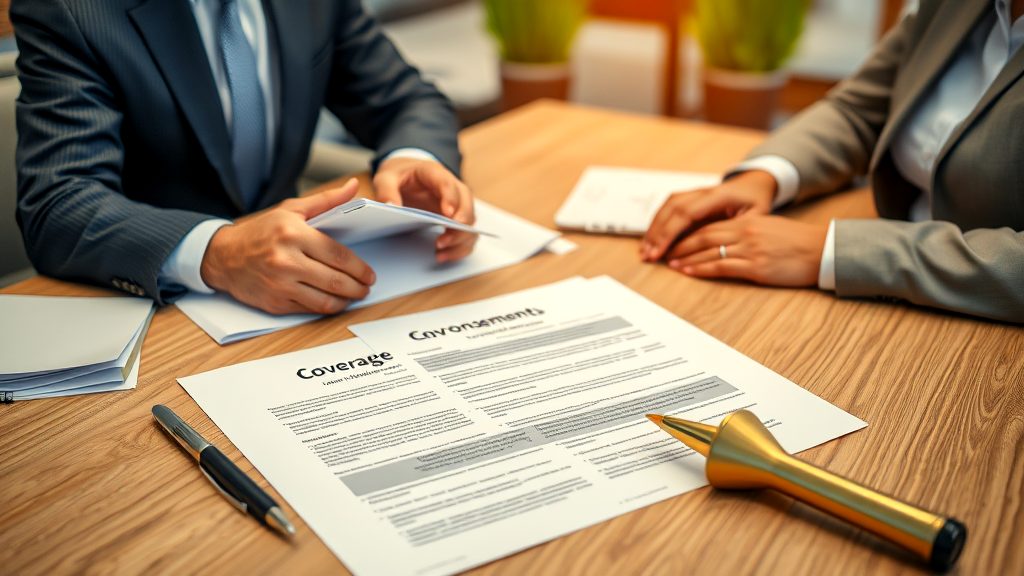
{"points": [[428, 185], [765, 249], [274, 261], [746, 193]]}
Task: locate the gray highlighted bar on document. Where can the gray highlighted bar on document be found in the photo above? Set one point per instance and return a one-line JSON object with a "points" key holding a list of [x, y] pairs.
{"points": [[500, 445]]}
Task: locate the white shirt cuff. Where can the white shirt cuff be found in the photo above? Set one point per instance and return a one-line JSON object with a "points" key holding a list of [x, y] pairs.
{"points": [[183, 267], [417, 153], [827, 272], [784, 172]]}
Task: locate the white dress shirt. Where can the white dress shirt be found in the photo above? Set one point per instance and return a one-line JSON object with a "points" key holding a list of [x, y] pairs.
{"points": [[182, 267], [917, 143]]}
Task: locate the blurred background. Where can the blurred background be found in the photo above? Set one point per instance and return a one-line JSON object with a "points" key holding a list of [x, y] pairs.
{"points": [[647, 56], [749, 63]]}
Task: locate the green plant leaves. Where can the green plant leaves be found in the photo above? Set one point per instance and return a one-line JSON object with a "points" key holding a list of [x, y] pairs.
{"points": [[749, 35], [535, 31]]}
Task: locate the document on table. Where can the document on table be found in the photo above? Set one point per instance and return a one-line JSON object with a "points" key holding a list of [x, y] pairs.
{"points": [[623, 200], [453, 437], [403, 263], [60, 346]]}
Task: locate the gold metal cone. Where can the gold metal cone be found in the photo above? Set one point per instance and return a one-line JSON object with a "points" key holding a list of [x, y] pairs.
{"points": [[742, 453]]}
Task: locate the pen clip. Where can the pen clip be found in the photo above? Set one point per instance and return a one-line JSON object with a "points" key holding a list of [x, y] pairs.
{"points": [[242, 507], [178, 429]]}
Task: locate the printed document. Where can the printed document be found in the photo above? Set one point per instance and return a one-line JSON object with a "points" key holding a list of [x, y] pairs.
{"points": [[624, 200], [404, 264], [446, 439]]}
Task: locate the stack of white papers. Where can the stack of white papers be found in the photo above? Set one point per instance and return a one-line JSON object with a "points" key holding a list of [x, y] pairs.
{"points": [[624, 200], [52, 346], [363, 220], [443, 440], [398, 243]]}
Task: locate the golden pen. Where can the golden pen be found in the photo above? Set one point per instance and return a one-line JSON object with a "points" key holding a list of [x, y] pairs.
{"points": [[741, 453]]}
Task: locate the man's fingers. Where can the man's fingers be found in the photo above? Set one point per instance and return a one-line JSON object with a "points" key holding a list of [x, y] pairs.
{"points": [[454, 245], [317, 204], [324, 249], [465, 212], [279, 307], [442, 184], [316, 301], [388, 188], [451, 237], [457, 252], [722, 268], [334, 282]]}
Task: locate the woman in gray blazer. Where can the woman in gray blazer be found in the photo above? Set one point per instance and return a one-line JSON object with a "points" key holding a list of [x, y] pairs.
{"points": [[934, 118]]}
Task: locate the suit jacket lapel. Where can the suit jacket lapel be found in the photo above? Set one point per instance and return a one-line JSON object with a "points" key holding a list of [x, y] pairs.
{"points": [[169, 31], [934, 51], [290, 22], [1010, 73]]}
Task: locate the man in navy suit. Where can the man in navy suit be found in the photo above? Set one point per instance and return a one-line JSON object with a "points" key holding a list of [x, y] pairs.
{"points": [[160, 142]]}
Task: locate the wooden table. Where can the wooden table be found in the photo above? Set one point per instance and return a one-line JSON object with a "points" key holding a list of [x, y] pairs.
{"points": [[91, 484]]}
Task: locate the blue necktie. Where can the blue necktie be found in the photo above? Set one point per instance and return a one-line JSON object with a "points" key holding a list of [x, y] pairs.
{"points": [[248, 116]]}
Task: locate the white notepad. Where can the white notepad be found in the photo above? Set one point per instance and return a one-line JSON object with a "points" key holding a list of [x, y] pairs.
{"points": [[60, 346], [624, 200]]}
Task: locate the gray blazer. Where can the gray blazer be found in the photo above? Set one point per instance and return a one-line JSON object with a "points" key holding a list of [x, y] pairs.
{"points": [[123, 147], [970, 258]]}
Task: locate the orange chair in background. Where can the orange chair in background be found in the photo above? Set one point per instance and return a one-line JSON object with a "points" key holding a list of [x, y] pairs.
{"points": [[666, 13], [5, 20], [891, 12]]}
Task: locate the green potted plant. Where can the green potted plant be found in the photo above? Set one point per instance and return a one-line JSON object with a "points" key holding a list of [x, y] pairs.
{"points": [[534, 39], [746, 44]]}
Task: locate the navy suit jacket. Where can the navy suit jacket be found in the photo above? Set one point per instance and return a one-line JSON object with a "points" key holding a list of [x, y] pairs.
{"points": [[122, 143]]}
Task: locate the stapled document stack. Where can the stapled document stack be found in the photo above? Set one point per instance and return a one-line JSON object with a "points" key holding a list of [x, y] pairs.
{"points": [[52, 346]]}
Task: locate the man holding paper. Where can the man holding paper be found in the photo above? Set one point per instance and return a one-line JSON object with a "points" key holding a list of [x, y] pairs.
{"points": [[146, 127]]}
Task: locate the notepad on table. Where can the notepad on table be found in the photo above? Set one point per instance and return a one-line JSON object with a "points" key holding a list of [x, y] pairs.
{"points": [[61, 346], [624, 200]]}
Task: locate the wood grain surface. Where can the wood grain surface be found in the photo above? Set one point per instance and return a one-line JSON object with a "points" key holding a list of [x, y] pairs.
{"points": [[90, 484]]}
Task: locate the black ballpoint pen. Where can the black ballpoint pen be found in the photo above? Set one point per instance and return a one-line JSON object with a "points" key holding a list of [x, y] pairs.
{"points": [[238, 488]]}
